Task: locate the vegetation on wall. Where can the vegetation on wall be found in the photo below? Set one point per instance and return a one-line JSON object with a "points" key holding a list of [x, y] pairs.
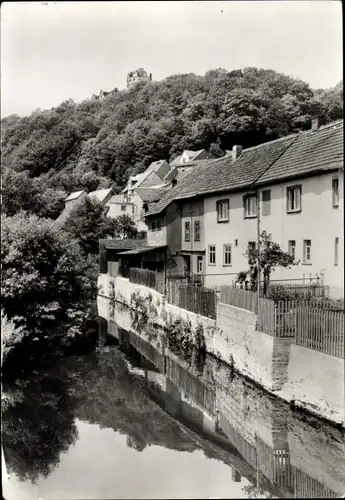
{"points": [[98, 143], [269, 255]]}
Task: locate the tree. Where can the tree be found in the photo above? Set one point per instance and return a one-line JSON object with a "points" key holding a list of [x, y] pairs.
{"points": [[47, 284], [87, 223], [87, 144], [270, 256], [124, 227]]}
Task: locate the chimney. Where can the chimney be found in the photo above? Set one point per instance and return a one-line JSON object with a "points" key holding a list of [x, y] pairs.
{"points": [[236, 152], [314, 124]]}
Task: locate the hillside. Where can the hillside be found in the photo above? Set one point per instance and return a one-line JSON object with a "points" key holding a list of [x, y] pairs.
{"points": [[100, 142]]}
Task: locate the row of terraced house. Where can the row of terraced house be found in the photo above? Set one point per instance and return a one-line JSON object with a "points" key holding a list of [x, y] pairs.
{"points": [[202, 225]]}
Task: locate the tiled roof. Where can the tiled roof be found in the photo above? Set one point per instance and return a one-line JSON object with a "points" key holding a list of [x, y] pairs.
{"points": [[74, 196], [145, 249], [192, 155], [223, 174], [118, 198], [125, 244], [149, 195], [317, 150], [100, 194], [169, 197]]}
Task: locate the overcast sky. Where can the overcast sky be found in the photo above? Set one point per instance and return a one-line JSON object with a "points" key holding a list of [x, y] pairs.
{"points": [[54, 51]]}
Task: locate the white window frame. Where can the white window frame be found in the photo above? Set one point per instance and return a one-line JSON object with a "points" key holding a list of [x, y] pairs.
{"points": [[227, 251], [292, 248], [306, 246], [211, 252], [199, 260], [294, 199], [196, 233], [187, 222], [223, 211], [250, 206], [335, 192]]}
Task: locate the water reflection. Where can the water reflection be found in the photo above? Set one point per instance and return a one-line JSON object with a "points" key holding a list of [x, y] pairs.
{"points": [[38, 425], [135, 420], [288, 454]]}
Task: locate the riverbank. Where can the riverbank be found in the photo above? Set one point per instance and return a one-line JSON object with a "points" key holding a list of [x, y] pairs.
{"points": [[282, 368]]}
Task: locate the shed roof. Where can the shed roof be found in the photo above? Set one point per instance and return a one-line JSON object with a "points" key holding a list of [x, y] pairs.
{"points": [[125, 244], [145, 249]]}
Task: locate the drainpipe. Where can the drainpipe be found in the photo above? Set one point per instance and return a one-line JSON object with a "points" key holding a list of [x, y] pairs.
{"points": [[258, 247]]}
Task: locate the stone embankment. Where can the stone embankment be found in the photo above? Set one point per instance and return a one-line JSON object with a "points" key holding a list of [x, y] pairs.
{"points": [[305, 378]]}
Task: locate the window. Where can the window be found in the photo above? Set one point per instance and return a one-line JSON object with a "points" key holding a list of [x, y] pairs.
{"points": [[154, 226], [227, 255], [336, 250], [223, 211], [251, 245], [133, 209], [159, 225], [266, 202], [197, 230], [250, 206], [294, 199], [123, 208], [212, 255], [335, 192], [187, 231], [199, 264], [236, 243], [307, 252], [292, 248]]}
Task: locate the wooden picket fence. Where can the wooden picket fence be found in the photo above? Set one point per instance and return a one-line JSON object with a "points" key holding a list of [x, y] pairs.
{"points": [[151, 279], [320, 329], [316, 324], [199, 300], [239, 298], [113, 268], [172, 289]]}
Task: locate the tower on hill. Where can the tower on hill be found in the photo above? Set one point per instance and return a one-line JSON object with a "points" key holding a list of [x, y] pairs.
{"points": [[138, 75]]}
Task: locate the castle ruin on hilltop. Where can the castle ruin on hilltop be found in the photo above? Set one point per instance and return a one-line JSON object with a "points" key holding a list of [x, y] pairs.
{"points": [[138, 75]]}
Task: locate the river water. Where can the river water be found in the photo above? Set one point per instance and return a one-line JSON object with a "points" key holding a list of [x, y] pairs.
{"points": [[126, 422]]}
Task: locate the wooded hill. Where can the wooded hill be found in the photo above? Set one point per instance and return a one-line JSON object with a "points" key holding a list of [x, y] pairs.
{"points": [[100, 142]]}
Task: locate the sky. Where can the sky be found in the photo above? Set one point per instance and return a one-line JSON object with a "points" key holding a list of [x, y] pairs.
{"points": [[51, 52]]}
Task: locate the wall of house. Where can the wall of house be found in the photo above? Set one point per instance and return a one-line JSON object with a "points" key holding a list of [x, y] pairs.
{"points": [[226, 233], [115, 209], [317, 221], [173, 221], [156, 237], [191, 212]]}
